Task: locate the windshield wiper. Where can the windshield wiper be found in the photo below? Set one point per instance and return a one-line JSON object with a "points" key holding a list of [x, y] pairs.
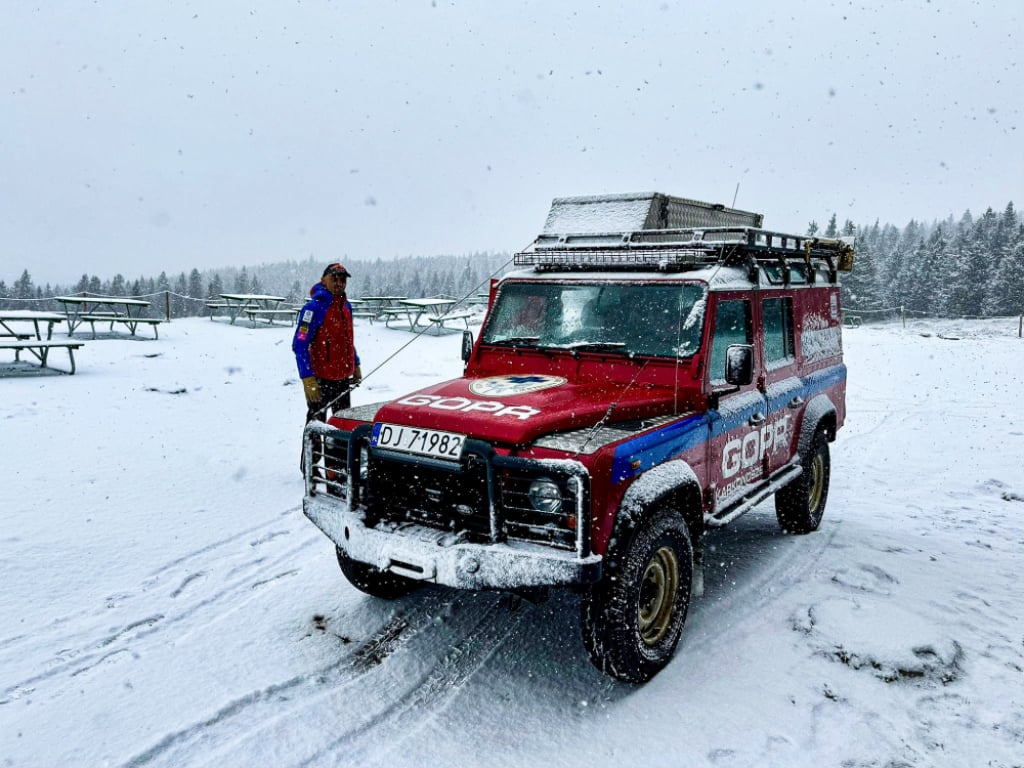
{"points": [[515, 340], [594, 346]]}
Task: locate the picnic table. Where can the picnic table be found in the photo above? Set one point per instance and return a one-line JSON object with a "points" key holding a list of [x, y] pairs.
{"points": [[373, 307], [361, 309], [436, 311], [106, 309], [257, 306], [15, 337]]}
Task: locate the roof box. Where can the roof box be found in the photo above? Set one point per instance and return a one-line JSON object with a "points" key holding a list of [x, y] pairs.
{"points": [[643, 210]]}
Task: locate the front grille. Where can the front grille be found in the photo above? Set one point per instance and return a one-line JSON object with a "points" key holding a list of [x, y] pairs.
{"points": [[397, 488], [453, 499]]}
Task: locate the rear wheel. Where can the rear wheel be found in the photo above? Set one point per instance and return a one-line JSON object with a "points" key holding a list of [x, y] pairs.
{"points": [[800, 505], [374, 581], [632, 620]]}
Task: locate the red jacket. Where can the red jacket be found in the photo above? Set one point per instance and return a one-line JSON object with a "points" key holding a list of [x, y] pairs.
{"points": [[323, 342]]}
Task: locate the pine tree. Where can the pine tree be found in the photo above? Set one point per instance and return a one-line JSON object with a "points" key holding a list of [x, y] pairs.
{"points": [[1005, 269], [162, 284], [860, 288], [831, 230], [242, 282], [195, 287], [1006, 288], [178, 302], [23, 287]]}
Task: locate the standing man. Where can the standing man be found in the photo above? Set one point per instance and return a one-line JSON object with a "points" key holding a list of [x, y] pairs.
{"points": [[324, 347]]}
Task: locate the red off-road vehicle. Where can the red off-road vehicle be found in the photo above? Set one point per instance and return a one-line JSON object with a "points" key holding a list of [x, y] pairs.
{"points": [[657, 366]]}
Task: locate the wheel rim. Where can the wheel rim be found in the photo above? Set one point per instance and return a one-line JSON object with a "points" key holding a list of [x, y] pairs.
{"points": [[817, 483], [658, 591]]}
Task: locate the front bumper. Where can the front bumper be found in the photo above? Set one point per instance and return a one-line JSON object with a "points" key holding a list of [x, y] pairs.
{"points": [[426, 554]]}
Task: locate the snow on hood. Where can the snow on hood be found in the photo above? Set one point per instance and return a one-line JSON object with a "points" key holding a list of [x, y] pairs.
{"points": [[497, 410]]}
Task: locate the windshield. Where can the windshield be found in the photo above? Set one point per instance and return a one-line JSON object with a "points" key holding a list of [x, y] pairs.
{"points": [[657, 319]]}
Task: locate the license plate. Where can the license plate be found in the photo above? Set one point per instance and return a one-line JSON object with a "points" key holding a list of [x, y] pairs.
{"points": [[423, 442]]}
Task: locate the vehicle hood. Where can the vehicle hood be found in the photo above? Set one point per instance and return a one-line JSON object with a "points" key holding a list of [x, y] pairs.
{"points": [[516, 410]]}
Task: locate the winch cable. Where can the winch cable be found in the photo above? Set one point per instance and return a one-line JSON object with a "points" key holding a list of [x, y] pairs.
{"points": [[322, 411]]}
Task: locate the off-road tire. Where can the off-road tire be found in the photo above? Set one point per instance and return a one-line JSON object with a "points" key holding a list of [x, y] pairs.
{"points": [[800, 505], [373, 581], [632, 619]]}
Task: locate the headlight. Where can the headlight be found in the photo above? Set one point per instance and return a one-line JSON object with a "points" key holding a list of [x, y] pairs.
{"points": [[545, 495]]}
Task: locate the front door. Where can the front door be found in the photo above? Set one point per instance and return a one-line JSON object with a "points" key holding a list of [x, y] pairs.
{"points": [[736, 459]]}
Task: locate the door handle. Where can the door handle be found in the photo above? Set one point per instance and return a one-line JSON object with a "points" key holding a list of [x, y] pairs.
{"points": [[756, 420], [796, 402]]}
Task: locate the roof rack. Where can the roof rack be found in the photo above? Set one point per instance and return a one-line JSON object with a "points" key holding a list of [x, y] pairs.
{"points": [[680, 249], [651, 230]]}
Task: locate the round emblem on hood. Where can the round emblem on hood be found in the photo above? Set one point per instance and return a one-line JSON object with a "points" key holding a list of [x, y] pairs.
{"points": [[503, 386]]}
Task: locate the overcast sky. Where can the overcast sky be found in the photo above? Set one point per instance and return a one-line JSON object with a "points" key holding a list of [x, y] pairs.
{"points": [[137, 137]]}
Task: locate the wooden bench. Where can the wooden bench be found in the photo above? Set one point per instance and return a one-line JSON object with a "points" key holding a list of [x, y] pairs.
{"points": [[440, 320], [255, 313], [112, 317], [41, 350]]}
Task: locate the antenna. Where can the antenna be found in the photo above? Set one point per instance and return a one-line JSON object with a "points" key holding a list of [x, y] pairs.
{"points": [[734, 194]]}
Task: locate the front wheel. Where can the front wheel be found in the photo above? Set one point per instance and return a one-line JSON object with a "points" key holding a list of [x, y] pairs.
{"points": [[373, 581], [800, 505], [632, 620]]}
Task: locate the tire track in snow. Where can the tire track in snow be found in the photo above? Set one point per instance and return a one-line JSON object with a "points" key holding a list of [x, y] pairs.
{"points": [[267, 714], [82, 648], [268, 703], [444, 681], [149, 582]]}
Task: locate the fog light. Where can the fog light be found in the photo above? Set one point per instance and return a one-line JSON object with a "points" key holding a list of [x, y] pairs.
{"points": [[545, 496]]}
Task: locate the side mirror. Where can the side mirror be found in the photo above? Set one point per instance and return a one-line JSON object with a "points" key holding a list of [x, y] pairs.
{"points": [[739, 365], [467, 345]]}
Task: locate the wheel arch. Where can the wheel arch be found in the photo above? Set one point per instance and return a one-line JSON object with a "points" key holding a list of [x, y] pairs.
{"points": [[672, 485], [819, 414]]}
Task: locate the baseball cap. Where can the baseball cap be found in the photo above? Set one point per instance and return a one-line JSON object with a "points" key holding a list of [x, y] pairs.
{"points": [[336, 269]]}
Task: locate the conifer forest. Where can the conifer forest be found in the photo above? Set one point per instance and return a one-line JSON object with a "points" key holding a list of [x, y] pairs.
{"points": [[971, 267]]}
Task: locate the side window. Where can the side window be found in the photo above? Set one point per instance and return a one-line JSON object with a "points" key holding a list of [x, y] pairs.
{"points": [[779, 349], [732, 326]]}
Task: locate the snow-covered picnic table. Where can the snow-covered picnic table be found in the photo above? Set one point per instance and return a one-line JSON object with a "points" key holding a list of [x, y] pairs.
{"points": [[15, 337], [107, 309], [257, 306]]}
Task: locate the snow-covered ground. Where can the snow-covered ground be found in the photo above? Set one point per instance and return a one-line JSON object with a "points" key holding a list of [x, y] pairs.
{"points": [[165, 602]]}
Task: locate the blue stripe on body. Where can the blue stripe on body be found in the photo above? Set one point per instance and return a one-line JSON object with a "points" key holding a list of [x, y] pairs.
{"points": [[653, 448]]}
